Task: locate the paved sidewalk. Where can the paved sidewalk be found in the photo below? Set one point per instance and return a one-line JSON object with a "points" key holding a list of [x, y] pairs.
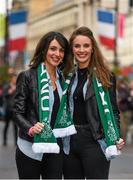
{"points": [[7, 163], [121, 167], [7, 156]]}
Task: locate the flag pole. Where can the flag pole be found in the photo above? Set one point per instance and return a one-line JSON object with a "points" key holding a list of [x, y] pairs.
{"points": [[6, 35], [116, 63]]}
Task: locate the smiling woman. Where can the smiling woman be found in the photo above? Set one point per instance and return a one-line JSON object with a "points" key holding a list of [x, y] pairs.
{"points": [[82, 49], [87, 158], [38, 96], [54, 55]]}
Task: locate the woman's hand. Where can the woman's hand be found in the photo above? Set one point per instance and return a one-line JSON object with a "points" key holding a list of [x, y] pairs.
{"points": [[36, 129], [120, 144]]}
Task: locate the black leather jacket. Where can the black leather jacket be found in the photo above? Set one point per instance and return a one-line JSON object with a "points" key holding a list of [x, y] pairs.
{"points": [[91, 107], [26, 102]]}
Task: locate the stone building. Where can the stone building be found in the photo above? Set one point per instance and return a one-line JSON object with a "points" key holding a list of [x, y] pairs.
{"points": [[66, 15]]}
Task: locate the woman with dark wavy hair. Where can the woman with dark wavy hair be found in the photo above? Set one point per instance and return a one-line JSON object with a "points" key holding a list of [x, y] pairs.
{"points": [[93, 106], [38, 95]]}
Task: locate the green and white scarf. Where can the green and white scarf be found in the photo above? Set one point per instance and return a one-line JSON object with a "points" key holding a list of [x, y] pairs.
{"points": [[64, 124], [107, 119], [46, 142]]}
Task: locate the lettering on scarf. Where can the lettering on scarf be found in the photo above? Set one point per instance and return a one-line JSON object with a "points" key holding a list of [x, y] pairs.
{"points": [[110, 131], [44, 89], [43, 70], [106, 113]]}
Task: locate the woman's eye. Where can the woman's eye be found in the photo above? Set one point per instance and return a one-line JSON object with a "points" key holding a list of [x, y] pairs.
{"points": [[86, 45], [76, 46], [53, 48], [62, 50], [79, 46], [57, 49]]}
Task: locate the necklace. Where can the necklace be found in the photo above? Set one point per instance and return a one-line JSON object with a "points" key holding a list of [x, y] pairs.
{"points": [[53, 84]]}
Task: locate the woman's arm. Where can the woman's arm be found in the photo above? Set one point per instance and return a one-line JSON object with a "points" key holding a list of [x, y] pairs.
{"points": [[20, 99]]}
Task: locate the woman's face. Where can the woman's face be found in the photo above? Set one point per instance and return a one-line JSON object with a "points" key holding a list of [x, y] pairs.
{"points": [[82, 50], [55, 53]]}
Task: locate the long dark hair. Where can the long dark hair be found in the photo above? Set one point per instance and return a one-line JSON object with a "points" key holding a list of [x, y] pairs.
{"points": [[97, 60], [42, 48]]}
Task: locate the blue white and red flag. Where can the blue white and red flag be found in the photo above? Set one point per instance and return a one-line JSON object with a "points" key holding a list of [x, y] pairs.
{"points": [[17, 30], [106, 27]]}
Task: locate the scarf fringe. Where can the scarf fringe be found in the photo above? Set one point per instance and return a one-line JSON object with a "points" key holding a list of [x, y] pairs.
{"points": [[45, 148], [62, 132], [111, 152]]}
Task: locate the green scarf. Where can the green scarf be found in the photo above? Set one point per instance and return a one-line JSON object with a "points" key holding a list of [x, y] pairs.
{"points": [[107, 119], [46, 142], [64, 123]]}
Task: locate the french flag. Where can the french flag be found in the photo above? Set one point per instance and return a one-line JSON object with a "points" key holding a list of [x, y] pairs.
{"points": [[106, 27], [17, 30]]}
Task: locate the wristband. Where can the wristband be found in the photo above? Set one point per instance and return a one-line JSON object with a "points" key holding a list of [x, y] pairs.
{"points": [[30, 132]]}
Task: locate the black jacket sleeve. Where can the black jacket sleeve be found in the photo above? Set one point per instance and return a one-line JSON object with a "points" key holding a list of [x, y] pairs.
{"points": [[113, 99], [20, 102]]}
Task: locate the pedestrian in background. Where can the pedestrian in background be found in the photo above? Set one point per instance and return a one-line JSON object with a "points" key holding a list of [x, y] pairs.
{"points": [[38, 96], [130, 128], [124, 104], [86, 159], [8, 93], [2, 109], [131, 99]]}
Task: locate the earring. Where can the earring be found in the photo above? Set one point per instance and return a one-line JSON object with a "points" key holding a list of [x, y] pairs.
{"points": [[74, 60]]}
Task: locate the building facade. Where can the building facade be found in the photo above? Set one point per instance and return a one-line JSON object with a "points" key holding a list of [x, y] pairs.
{"points": [[66, 15]]}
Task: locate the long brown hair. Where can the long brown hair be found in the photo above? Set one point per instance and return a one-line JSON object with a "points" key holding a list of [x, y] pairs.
{"points": [[42, 48], [97, 60]]}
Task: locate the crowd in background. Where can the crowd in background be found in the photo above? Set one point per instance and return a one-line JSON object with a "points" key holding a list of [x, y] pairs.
{"points": [[7, 91], [125, 102], [124, 96]]}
